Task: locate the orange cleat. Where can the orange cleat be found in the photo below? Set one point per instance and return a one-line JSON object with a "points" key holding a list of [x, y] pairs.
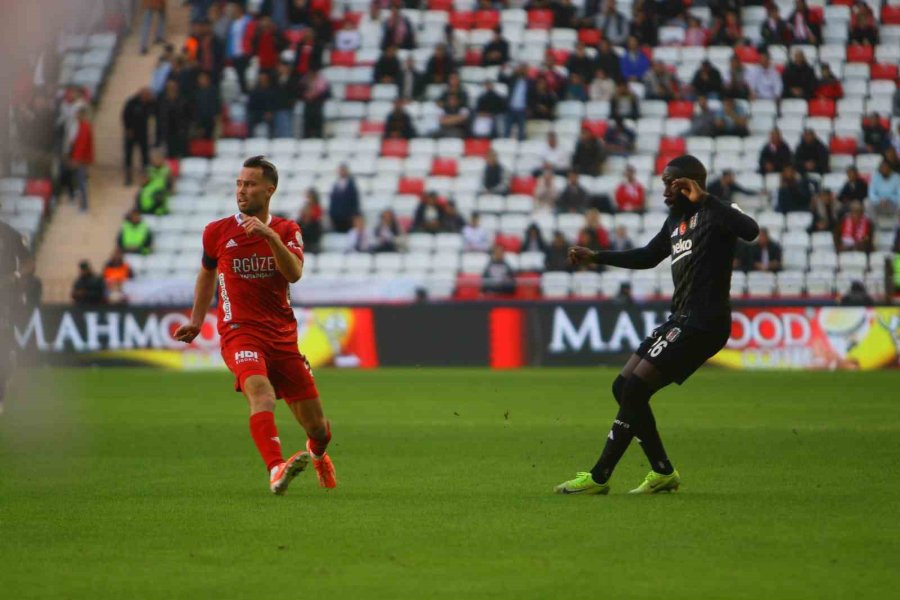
{"points": [[324, 469], [282, 475]]}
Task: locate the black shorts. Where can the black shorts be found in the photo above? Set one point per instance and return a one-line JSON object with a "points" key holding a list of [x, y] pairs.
{"points": [[678, 350]]}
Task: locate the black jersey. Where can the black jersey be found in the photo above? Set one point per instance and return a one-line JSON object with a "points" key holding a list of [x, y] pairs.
{"points": [[13, 253], [701, 242]]}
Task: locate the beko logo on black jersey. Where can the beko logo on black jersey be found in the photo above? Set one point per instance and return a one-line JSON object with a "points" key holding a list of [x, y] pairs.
{"points": [[682, 246]]}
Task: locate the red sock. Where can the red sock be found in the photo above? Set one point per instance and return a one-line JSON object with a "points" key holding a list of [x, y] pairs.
{"points": [[318, 446], [265, 436]]}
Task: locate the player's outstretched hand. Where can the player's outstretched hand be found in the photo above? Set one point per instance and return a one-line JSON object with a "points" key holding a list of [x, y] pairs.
{"points": [[254, 226], [580, 256], [187, 333], [690, 188]]}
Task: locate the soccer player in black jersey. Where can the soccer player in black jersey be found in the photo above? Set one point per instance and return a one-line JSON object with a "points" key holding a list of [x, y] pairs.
{"points": [[15, 261], [700, 235]]}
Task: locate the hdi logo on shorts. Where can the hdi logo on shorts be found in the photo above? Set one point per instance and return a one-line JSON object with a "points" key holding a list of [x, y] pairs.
{"points": [[245, 356]]}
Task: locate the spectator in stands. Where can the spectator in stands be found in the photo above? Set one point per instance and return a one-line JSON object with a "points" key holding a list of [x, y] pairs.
{"points": [[553, 155], [659, 83], [398, 123], [488, 108], [498, 277], [589, 154], [162, 70], [204, 49], [563, 14], [316, 91], [726, 187], [824, 211], [451, 220], [804, 29], [287, 89], [573, 198], [135, 236], [410, 82], [386, 235], [732, 119], [387, 68], [545, 192], [542, 103], [829, 86], [602, 88], [475, 237], [764, 80], [612, 24], [896, 105], [707, 81], [856, 230], [495, 179], [310, 221], [520, 94], [308, 54], [811, 155], [235, 49], [580, 63], [726, 30], [533, 240], [398, 31], [876, 136], [696, 34], [454, 88], [766, 253], [153, 8], [798, 79], [607, 60], [619, 139], [555, 258], [620, 241], [358, 238], [261, 105], [856, 295], [884, 190], [630, 194], [440, 66], [892, 159], [153, 196], [135, 121], [115, 274], [80, 155], [644, 25], [454, 119], [429, 214], [773, 30], [348, 38], [206, 106], [344, 201], [633, 63], [495, 52], [704, 120], [855, 188], [863, 28], [89, 289], [735, 82], [624, 104], [793, 192], [575, 89], [173, 121], [775, 155], [593, 235]]}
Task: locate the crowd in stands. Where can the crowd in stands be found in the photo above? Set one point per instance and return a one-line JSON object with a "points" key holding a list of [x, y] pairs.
{"points": [[267, 69]]}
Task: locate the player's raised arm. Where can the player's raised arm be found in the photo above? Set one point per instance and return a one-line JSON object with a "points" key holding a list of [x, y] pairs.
{"points": [[204, 290], [287, 262], [731, 217], [638, 258]]}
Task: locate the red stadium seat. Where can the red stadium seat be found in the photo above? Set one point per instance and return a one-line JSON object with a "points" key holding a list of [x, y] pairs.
{"points": [[843, 145], [510, 243], [477, 147], [560, 55], [884, 71], [859, 53], [395, 148], [522, 185], [353, 18], [540, 19], [371, 128], [206, 148], [174, 167], [343, 58], [39, 187], [472, 58], [747, 54], [444, 5], [230, 129], [591, 37], [487, 19], [822, 107], [816, 15], [662, 160], [293, 37], [462, 20], [528, 286], [843, 2], [669, 145], [596, 127], [444, 167], [410, 185], [322, 6], [681, 109], [468, 286], [358, 92], [890, 15]]}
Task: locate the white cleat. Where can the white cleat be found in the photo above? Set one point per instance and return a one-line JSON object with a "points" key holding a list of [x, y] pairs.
{"points": [[282, 475]]}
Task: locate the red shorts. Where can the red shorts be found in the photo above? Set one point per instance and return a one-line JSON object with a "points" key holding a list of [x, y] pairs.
{"points": [[288, 370]]}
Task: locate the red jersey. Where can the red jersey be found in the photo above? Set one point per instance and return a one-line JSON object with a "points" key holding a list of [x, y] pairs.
{"points": [[252, 291]]}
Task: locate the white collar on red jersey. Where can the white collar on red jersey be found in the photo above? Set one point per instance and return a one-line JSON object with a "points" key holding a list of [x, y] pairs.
{"points": [[240, 217]]}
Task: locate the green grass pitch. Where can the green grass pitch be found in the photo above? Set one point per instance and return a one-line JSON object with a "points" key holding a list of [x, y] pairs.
{"points": [[145, 484]]}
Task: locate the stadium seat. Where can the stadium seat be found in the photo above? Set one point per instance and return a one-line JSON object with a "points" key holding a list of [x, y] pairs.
{"points": [[476, 147], [890, 15], [843, 145], [540, 19], [821, 107], [584, 284], [395, 147]]}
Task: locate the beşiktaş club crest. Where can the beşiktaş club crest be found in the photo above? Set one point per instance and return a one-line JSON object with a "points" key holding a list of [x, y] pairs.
{"points": [[673, 334], [693, 222]]}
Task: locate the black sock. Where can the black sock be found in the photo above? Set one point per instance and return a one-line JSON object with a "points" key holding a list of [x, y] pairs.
{"points": [[644, 426], [616, 444]]}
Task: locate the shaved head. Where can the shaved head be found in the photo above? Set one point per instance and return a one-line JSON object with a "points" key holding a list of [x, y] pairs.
{"points": [[690, 167]]}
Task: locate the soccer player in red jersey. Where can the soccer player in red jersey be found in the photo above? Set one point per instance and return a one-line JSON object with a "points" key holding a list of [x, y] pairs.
{"points": [[257, 256]]}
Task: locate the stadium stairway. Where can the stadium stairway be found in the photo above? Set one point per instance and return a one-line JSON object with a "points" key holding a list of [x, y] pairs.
{"points": [[71, 235]]}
